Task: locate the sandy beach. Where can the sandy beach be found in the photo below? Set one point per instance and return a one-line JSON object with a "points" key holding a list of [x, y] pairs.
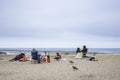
{"points": [[106, 68]]}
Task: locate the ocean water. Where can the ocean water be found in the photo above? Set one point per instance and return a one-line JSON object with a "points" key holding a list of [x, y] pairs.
{"points": [[60, 50]]}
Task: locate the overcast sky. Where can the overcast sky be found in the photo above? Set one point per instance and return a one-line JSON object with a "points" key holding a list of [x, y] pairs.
{"points": [[59, 23]]}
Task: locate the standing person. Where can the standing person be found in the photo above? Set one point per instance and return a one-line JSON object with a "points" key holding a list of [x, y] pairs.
{"points": [[34, 55], [84, 51], [78, 50]]}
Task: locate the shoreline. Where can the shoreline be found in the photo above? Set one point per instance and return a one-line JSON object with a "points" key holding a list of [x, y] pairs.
{"points": [[73, 54]]}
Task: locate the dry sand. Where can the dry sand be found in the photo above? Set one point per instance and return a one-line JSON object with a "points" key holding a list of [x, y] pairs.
{"points": [[106, 68]]}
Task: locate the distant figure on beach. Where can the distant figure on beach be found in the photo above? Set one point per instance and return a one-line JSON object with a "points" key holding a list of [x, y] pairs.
{"points": [[34, 54], [78, 50], [24, 58], [78, 53], [58, 56], [93, 58], [84, 51], [20, 57], [44, 57], [48, 58]]}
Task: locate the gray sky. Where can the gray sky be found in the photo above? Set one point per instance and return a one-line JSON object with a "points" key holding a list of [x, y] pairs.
{"points": [[60, 23]]}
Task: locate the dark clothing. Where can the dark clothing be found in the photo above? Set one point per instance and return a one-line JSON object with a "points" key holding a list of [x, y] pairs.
{"points": [[84, 51], [92, 58], [48, 58], [78, 50], [18, 57]]}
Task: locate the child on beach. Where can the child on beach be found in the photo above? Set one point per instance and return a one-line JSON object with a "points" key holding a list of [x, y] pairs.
{"points": [[48, 58], [58, 56], [45, 57]]}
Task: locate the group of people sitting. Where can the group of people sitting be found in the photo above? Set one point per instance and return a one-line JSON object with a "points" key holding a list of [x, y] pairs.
{"points": [[83, 54], [39, 57], [36, 57], [83, 51]]}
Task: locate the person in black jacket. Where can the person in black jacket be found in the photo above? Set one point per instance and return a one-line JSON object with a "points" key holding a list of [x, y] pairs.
{"points": [[84, 51], [18, 57], [78, 50]]}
